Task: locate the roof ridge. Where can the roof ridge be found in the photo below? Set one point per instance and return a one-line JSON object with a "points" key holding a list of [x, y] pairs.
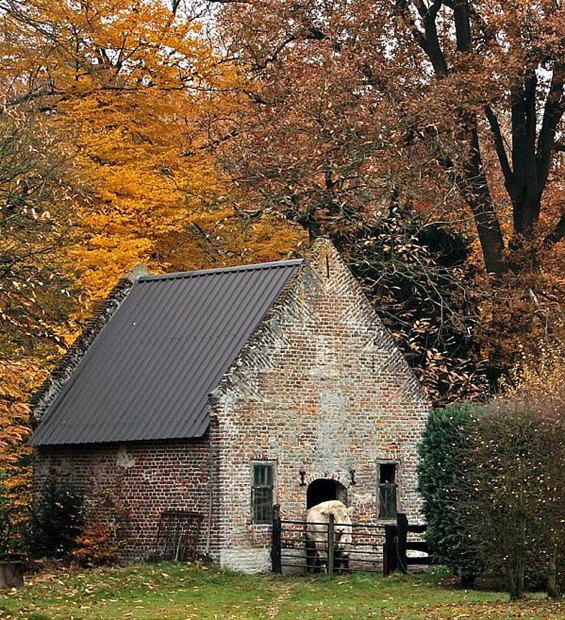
{"points": [[237, 268]]}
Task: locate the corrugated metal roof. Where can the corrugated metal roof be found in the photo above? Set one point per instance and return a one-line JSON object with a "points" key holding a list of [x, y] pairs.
{"points": [[149, 371]]}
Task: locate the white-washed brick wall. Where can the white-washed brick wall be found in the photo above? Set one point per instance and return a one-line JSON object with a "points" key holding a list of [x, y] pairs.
{"points": [[320, 388]]}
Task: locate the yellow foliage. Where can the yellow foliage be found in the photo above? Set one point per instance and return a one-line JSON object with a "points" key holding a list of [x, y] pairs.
{"points": [[16, 379], [131, 86], [541, 374]]}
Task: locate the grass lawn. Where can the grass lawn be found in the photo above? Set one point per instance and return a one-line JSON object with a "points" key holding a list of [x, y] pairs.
{"points": [[170, 591]]}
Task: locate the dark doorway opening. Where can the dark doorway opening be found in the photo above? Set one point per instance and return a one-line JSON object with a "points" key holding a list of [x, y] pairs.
{"points": [[387, 491], [324, 489]]}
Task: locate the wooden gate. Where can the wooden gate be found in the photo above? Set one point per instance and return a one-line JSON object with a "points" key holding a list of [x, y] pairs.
{"points": [[398, 543], [374, 547]]}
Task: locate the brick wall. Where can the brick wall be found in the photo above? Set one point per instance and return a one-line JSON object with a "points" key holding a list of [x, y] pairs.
{"points": [[128, 486], [322, 389]]}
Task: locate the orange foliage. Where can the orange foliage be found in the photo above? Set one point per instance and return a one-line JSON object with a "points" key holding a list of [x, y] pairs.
{"points": [[94, 546], [128, 85], [13, 409], [15, 472]]}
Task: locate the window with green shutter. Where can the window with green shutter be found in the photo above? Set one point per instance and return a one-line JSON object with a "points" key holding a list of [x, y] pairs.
{"points": [[262, 497]]}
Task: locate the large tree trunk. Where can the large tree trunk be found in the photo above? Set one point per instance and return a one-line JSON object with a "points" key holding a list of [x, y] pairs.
{"points": [[471, 181], [525, 191], [476, 193], [490, 234]]}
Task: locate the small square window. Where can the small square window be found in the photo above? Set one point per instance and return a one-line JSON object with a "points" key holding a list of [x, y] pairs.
{"points": [[262, 492]]}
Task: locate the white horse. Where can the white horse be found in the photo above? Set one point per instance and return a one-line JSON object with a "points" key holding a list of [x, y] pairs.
{"points": [[317, 520]]}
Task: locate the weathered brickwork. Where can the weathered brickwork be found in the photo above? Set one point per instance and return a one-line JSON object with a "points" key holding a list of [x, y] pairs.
{"points": [[320, 390], [129, 486]]}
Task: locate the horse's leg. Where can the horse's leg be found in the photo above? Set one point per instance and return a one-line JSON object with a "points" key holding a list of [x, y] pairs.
{"points": [[311, 556]]}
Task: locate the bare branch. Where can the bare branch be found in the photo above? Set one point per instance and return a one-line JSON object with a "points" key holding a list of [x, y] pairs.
{"points": [[500, 149]]}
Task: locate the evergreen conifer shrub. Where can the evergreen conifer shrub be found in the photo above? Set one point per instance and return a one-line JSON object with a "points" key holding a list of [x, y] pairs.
{"points": [[440, 482], [56, 521]]}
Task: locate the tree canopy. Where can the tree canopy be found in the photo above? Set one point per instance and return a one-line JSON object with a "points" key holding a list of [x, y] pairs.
{"points": [[451, 109], [126, 85], [371, 95]]}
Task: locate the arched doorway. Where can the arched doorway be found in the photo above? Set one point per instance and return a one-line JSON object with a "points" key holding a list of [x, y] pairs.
{"points": [[324, 489]]}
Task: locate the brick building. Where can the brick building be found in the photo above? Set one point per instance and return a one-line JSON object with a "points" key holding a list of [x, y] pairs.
{"points": [[221, 392]]}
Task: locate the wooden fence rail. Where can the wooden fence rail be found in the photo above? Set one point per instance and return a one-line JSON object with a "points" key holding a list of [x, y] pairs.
{"points": [[397, 544], [374, 547]]}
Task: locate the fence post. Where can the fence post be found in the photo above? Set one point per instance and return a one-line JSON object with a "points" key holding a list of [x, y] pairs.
{"points": [[276, 545], [390, 558], [402, 523], [331, 544]]}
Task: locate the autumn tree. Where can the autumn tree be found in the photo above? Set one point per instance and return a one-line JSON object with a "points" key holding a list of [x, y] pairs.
{"points": [[125, 83], [14, 423], [17, 378], [452, 108], [474, 92], [37, 190]]}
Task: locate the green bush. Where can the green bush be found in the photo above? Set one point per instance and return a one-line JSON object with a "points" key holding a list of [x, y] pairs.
{"points": [[440, 479], [514, 507], [56, 521]]}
